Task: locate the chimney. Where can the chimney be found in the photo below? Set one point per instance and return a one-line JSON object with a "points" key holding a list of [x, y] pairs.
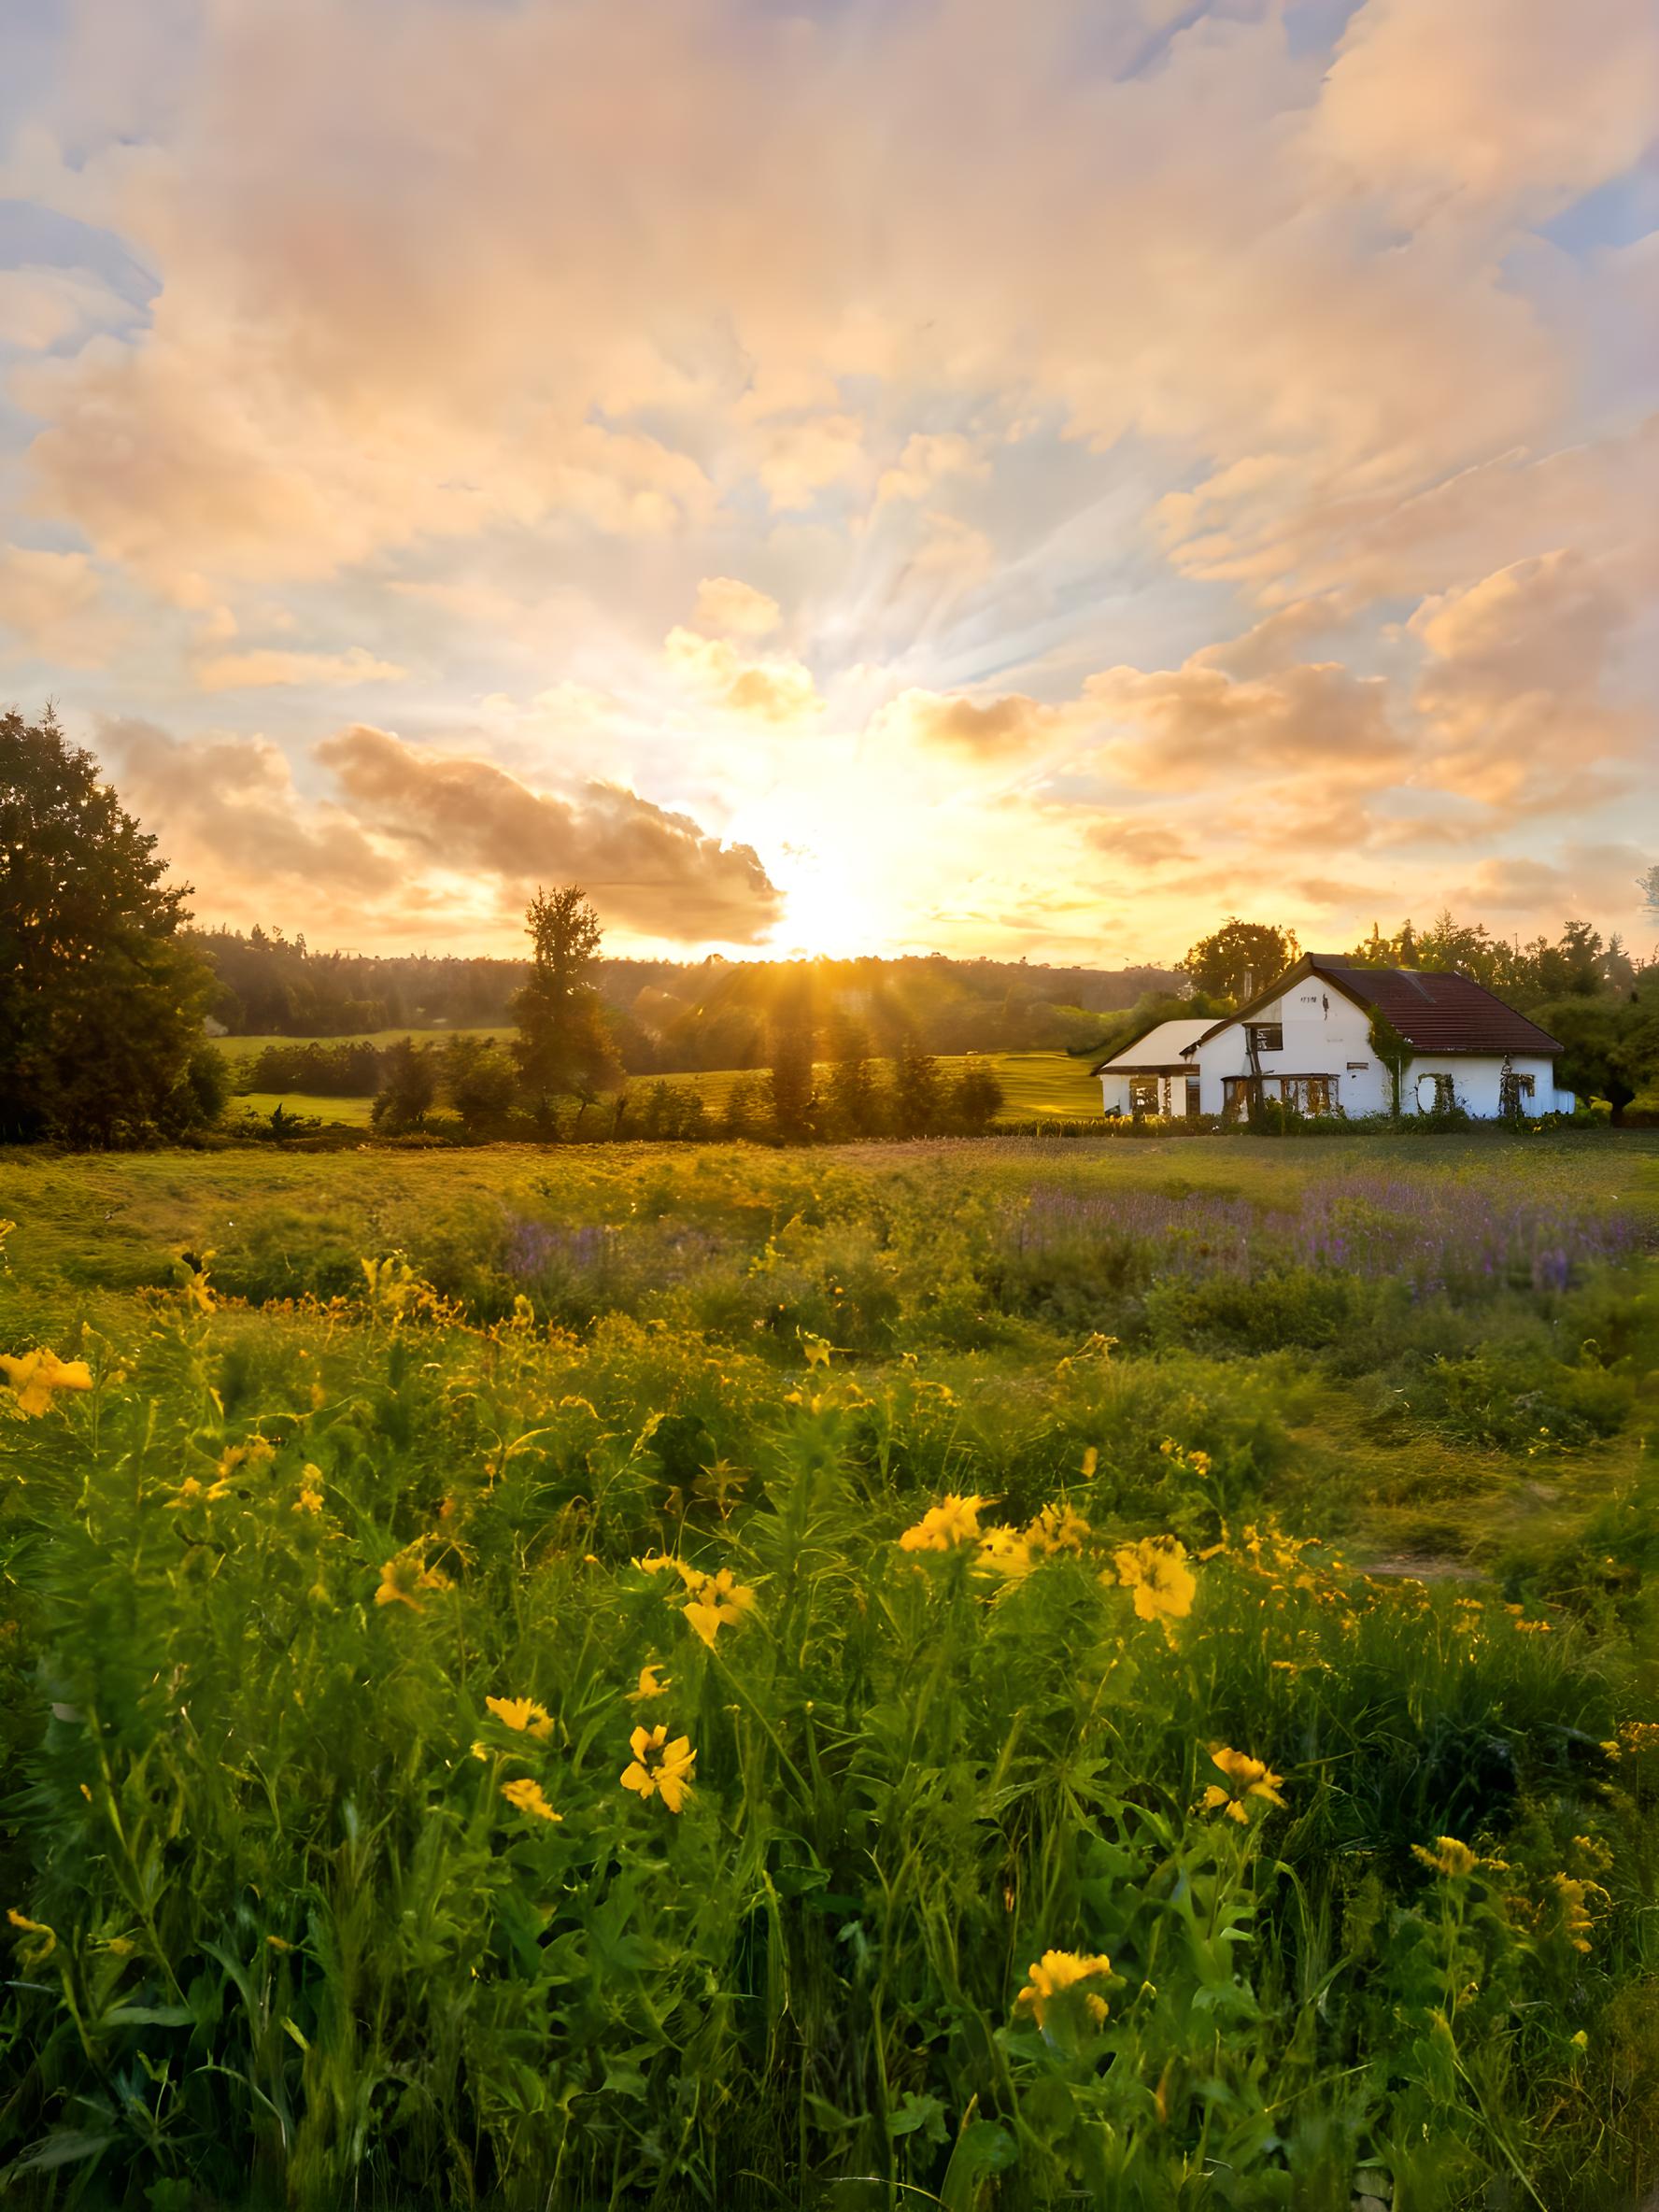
{"points": [[1249, 992]]}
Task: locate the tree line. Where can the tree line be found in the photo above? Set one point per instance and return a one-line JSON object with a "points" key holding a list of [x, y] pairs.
{"points": [[104, 995]]}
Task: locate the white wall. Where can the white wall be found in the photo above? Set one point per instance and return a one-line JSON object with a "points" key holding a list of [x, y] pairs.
{"points": [[1325, 1034], [1479, 1084]]}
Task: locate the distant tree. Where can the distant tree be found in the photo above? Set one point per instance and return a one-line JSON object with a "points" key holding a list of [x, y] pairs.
{"points": [[564, 1044], [1222, 962], [918, 1100], [1611, 1046], [746, 1112], [793, 1098], [479, 1082], [855, 1099], [408, 1087], [101, 1001], [1648, 884], [976, 1097]]}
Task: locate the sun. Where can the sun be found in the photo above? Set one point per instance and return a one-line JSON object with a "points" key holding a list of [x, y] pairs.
{"points": [[828, 910]]}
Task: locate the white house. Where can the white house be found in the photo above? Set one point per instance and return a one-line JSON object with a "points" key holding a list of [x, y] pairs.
{"points": [[1307, 1039]]}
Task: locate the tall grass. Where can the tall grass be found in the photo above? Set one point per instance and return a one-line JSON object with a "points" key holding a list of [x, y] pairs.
{"points": [[281, 1934]]}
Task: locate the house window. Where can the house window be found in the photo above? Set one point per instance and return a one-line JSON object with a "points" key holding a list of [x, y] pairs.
{"points": [[1192, 1095], [1317, 1095], [1235, 1096], [1267, 1036], [1143, 1094]]}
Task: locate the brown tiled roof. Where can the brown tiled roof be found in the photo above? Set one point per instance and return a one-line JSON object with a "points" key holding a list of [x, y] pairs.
{"points": [[1436, 1009]]}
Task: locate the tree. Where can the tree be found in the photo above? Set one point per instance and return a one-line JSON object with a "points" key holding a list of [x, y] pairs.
{"points": [[1610, 1048], [976, 1097], [917, 1101], [854, 1096], [564, 1044], [1240, 954], [1648, 884], [408, 1085], [479, 1081], [793, 1099], [101, 1001]]}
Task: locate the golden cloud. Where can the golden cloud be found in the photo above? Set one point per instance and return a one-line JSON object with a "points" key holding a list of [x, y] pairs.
{"points": [[266, 666]]}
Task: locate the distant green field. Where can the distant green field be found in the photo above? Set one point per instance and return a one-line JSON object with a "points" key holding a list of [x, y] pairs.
{"points": [[1038, 1084], [352, 1110], [240, 1050]]}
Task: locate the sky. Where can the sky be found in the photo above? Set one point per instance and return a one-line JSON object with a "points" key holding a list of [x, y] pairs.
{"points": [[844, 475]]}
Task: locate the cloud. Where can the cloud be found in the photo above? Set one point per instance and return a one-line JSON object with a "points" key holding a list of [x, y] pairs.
{"points": [[40, 307], [1512, 687], [926, 460], [1139, 845], [1523, 100], [1195, 724], [779, 691], [230, 816], [53, 605], [655, 872], [996, 728], [728, 608], [265, 666], [797, 459]]}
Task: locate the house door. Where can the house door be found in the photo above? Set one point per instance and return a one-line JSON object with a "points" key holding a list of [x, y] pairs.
{"points": [[1192, 1097]]}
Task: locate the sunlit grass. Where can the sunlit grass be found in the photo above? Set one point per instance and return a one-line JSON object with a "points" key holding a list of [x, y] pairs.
{"points": [[700, 1677]]}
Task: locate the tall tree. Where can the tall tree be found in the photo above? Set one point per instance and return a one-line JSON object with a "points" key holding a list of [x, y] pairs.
{"points": [[854, 1096], [919, 1102], [1239, 958], [564, 1044], [101, 1001], [793, 1097]]}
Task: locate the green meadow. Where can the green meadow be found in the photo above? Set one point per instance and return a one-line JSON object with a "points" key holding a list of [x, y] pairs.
{"points": [[1036, 1086], [989, 1674]]}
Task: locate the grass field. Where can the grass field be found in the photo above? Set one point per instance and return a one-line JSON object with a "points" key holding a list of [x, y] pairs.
{"points": [[999, 1674], [1047, 1086]]}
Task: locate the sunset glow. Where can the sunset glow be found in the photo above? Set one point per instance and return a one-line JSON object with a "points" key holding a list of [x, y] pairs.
{"points": [[845, 476]]}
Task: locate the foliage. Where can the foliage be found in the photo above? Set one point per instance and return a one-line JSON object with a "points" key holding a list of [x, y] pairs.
{"points": [[563, 1046], [408, 1088], [101, 1001], [1610, 1045], [1239, 958], [662, 1679]]}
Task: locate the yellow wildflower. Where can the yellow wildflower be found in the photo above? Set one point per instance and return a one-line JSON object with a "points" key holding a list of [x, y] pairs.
{"points": [[525, 1795], [188, 1490], [1247, 1778], [719, 1597], [660, 1767], [954, 1521], [310, 1497], [1532, 1628], [1157, 1571], [658, 1563], [1058, 1971], [1574, 1898], [1091, 1460], [36, 1377], [404, 1573], [1449, 1857], [522, 1715], [1058, 1529], [649, 1685]]}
